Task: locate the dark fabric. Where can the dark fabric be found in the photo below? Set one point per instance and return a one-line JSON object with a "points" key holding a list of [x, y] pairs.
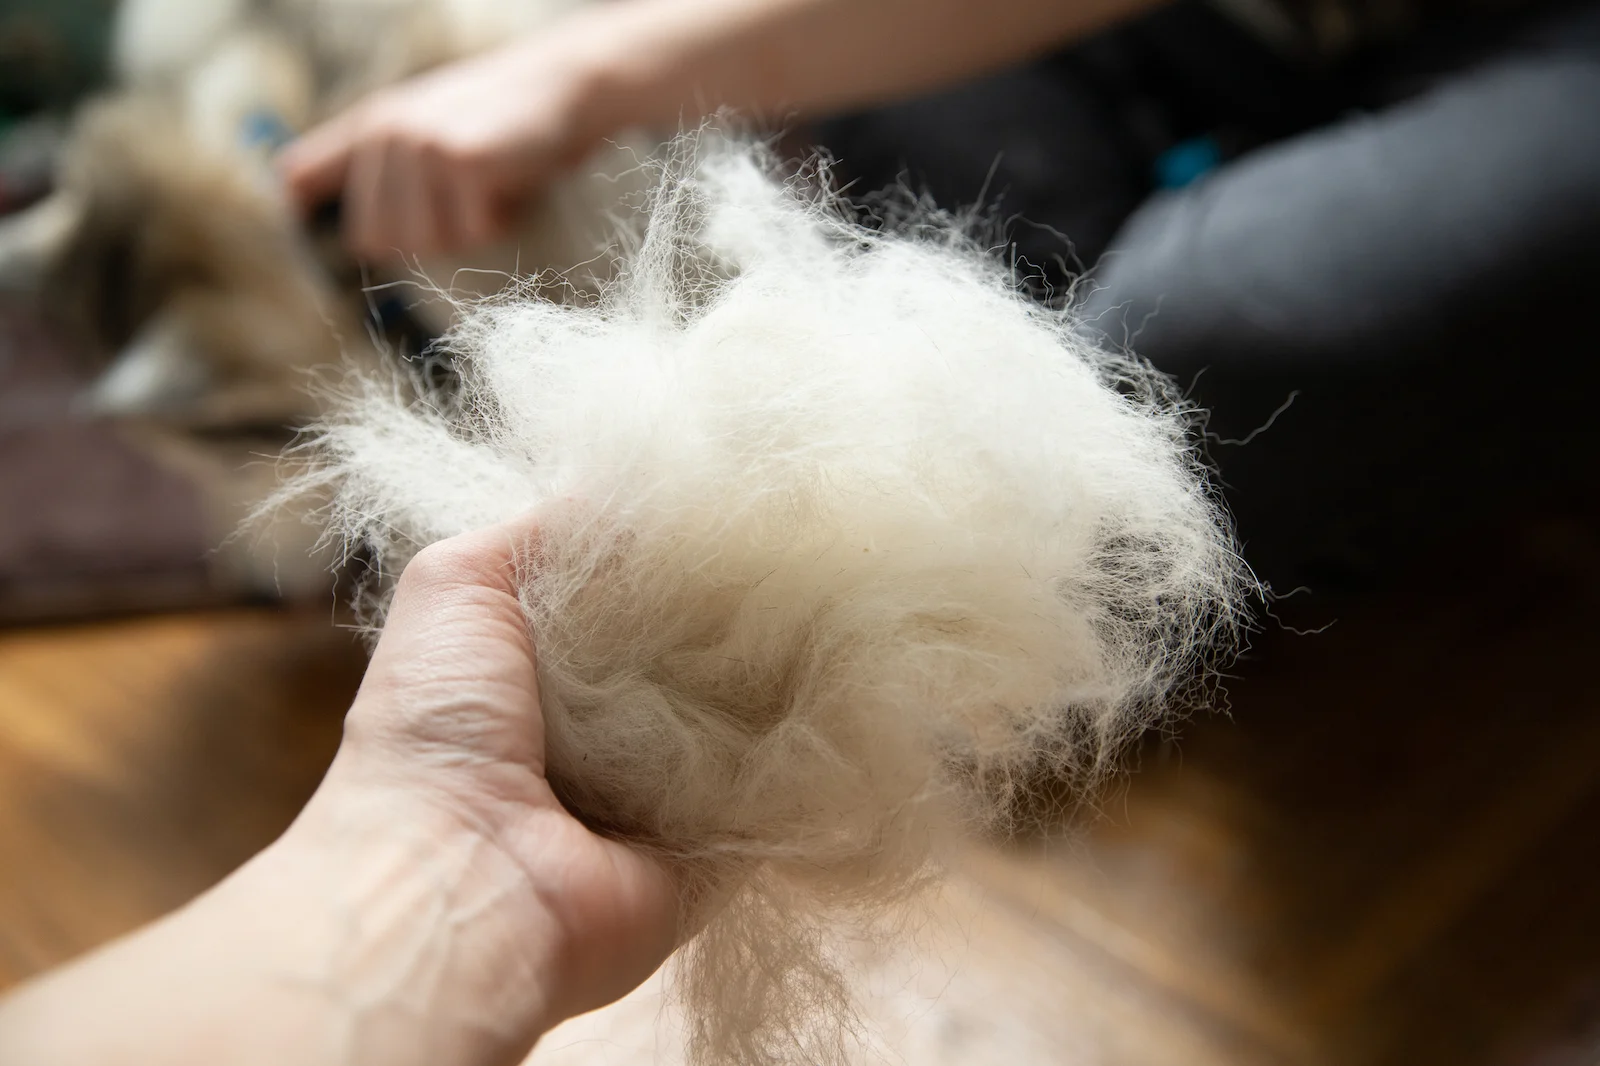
{"points": [[1060, 152], [1058, 197], [1401, 245], [1322, 31], [1411, 276], [88, 523], [1372, 234]]}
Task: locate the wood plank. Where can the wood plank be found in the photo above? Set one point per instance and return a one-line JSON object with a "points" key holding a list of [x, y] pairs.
{"points": [[143, 759]]}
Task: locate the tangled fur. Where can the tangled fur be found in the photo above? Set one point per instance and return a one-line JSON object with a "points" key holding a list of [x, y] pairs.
{"points": [[842, 544]]}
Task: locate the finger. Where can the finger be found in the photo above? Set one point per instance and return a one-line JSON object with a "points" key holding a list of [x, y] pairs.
{"points": [[448, 191], [315, 166], [382, 208], [410, 206], [362, 208], [474, 213]]}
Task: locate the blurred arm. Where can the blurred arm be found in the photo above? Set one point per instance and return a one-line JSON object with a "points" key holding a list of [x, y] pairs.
{"points": [[665, 60]]}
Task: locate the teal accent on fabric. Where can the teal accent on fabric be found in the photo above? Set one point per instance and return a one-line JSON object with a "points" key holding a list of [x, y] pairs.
{"points": [[1187, 162]]}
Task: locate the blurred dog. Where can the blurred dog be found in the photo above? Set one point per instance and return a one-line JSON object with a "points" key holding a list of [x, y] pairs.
{"points": [[168, 249]]}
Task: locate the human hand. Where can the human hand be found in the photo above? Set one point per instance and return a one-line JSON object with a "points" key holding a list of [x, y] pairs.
{"points": [[450, 159], [448, 717], [433, 904]]}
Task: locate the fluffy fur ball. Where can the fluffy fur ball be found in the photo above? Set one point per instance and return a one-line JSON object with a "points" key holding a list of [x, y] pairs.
{"points": [[843, 543]]}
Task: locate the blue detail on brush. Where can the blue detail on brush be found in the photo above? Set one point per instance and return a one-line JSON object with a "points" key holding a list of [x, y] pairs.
{"points": [[265, 130]]}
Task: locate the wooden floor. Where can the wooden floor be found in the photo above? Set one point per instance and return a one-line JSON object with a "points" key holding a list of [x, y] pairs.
{"points": [[1388, 854]]}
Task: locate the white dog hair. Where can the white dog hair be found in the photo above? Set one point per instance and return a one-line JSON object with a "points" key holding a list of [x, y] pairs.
{"points": [[843, 544]]}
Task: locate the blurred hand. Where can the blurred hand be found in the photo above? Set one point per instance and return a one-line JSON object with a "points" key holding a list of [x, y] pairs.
{"points": [[450, 159]]}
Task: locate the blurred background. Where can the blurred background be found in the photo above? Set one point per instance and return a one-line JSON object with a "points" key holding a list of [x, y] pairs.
{"points": [[1382, 848]]}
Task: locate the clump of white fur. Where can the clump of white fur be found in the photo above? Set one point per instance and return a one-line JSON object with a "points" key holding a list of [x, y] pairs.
{"points": [[843, 542]]}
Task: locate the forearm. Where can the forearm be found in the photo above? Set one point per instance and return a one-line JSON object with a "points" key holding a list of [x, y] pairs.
{"points": [[326, 948], [668, 60]]}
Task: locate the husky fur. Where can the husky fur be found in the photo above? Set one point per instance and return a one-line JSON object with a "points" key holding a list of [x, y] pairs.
{"points": [[167, 240], [842, 542], [168, 248]]}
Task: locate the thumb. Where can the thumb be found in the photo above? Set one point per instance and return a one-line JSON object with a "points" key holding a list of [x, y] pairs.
{"points": [[467, 582], [455, 666]]}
